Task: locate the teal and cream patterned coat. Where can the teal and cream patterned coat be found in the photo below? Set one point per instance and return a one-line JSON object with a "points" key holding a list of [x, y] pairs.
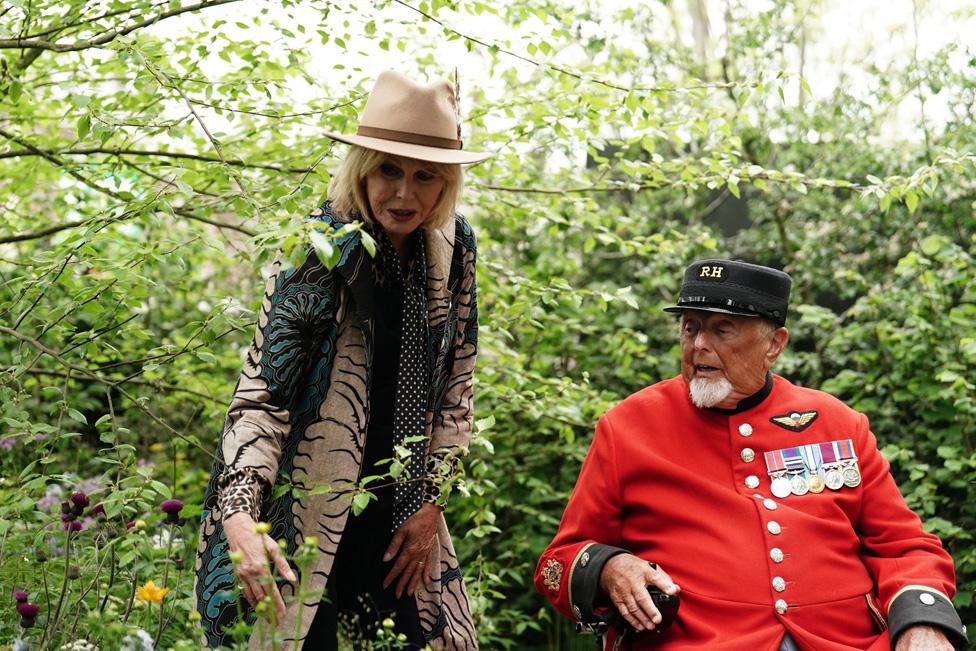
{"points": [[299, 415]]}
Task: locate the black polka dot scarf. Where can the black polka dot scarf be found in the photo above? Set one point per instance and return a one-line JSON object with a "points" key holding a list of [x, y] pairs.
{"points": [[413, 376]]}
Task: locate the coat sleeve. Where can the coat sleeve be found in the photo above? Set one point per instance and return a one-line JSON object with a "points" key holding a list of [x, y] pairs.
{"points": [[297, 307], [914, 575], [452, 425], [568, 572]]}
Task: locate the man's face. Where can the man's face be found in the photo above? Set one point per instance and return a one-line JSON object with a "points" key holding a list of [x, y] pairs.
{"points": [[718, 348]]}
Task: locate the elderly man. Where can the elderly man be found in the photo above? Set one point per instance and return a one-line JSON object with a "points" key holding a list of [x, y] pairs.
{"points": [[767, 503]]}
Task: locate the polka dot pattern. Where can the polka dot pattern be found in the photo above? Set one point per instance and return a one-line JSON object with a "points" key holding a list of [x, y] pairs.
{"points": [[413, 382]]}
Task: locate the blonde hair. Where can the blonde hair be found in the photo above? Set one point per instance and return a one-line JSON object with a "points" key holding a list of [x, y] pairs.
{"points": [[347, 190]]}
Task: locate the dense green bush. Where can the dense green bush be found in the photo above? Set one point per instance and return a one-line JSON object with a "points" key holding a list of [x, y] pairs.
{"points": [[151, 174]]}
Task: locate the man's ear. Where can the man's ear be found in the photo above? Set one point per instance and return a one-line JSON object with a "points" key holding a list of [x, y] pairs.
{"points": [[777, 343]]}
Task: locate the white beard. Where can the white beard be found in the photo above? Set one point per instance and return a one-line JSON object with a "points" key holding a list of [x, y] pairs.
{"points": [[708, 393]]}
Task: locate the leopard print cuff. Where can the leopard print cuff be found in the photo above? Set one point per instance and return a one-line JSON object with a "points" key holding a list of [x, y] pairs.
{"points": [[241, 490], [441, 467]]}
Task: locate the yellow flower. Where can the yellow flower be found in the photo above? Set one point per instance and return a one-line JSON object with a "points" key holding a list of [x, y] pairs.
{"points": [[150, 592]]}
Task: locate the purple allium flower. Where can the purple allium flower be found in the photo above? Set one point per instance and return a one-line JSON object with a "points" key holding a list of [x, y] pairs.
{"points": [[73, 526], [130, 524], [28, 610], [80, 499], [20, 596], [98, 509]]}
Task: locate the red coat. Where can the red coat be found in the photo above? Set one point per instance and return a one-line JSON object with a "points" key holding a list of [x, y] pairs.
{"points": [[669, 482]]}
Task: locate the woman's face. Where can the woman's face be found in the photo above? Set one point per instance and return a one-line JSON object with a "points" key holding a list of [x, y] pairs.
{"points": [[402, 193]]}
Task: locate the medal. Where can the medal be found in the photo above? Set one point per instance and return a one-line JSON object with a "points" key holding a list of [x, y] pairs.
{"points": [[816, 484], [797, 471], [850, 474], [813, 462], [832, 476], [780, 485], [798, 485]]}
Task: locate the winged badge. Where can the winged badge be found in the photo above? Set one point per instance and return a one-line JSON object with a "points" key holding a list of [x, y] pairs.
{"points": [[795, 421]]}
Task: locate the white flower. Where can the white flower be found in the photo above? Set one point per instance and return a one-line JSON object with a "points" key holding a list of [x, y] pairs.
{"points": [[138, 640], [79, 645], [19, 645]]}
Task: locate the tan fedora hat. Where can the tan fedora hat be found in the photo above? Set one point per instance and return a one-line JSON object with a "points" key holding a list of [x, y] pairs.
{"points": [[406, 119]]}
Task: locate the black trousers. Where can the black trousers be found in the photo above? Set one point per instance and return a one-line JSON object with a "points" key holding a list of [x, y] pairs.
{"points": [[355, 595]]}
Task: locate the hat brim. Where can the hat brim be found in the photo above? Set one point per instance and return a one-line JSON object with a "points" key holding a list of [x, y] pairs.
{"points": [[676, 309], [409, 150]]}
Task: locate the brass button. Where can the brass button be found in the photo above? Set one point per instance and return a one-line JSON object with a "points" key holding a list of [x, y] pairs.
{"points": [[773, 527], [770, 504], [745, 429], [779, 583], [747, 455], [781, 606], [752, 481], [776, 554]]}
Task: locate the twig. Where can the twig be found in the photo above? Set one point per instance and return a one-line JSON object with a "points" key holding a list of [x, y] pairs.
{"points": [[41, 44]]}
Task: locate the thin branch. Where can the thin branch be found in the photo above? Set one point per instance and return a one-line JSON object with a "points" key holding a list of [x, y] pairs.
{"points": [[89, 21], [121, 151], [44, 232], [561, 70], [97, 378], [102, 380], [108, 37], [88, 182]]}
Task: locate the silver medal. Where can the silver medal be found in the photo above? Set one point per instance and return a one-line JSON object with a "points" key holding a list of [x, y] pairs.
{"points": [[798, 485], [781, 487]]}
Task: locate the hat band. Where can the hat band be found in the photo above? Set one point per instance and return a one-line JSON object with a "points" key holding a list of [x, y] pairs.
{"points": [[411, 138]]}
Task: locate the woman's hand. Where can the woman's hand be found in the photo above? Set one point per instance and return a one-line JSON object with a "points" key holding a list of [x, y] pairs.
{"points": [[252, 570], [411, 545]]}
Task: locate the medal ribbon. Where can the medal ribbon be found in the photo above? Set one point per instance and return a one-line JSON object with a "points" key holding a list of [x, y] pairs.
{"points": [[774, 461], [791, 457], [827, 453], [810, 454]]}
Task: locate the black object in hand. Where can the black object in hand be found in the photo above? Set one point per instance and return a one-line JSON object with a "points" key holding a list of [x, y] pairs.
{"points": [[667, 604]]}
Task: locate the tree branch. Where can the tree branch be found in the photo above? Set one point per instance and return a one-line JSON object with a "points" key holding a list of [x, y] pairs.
{"points": [[121, 151], [108, 37], [101, 380], [59, 163]]}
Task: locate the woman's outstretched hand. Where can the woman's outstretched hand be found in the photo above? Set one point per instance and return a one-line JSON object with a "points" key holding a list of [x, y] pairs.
{"points": [[252, 569], [411, 546]]}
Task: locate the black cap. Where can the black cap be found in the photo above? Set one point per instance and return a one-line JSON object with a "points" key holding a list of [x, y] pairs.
{"points": [[735, 287]]}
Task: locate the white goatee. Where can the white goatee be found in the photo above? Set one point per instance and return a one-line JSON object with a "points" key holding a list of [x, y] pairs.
{"points": [[707, 392]]}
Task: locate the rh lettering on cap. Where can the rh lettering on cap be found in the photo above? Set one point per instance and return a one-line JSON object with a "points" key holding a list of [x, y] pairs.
{"points": [[715, 271]]}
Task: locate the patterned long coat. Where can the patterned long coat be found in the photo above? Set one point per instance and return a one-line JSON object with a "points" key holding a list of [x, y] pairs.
{"points": [[299, 414]]}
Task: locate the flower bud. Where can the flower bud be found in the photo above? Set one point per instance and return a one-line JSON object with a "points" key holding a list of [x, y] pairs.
{"points": [[236, 556], [262, 528], [74, 571], [388, 623], [194, 616]]}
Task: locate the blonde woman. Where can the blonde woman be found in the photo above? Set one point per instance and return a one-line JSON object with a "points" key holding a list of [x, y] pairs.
{"points": [[348, 364]]}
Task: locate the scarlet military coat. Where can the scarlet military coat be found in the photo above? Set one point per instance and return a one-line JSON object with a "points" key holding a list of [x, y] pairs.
{"points": [[688, 489], [299, 415]]}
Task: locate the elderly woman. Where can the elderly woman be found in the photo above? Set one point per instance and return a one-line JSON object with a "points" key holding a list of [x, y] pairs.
{"points": [[349, 368]]}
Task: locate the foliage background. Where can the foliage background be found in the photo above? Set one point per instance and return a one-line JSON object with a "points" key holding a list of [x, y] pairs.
{"points": [[156, 155]]}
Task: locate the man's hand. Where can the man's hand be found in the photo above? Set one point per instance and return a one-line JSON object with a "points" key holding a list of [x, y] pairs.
{"points": [[411, 545], [252, 570], [923, 638], [625, 579]]}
